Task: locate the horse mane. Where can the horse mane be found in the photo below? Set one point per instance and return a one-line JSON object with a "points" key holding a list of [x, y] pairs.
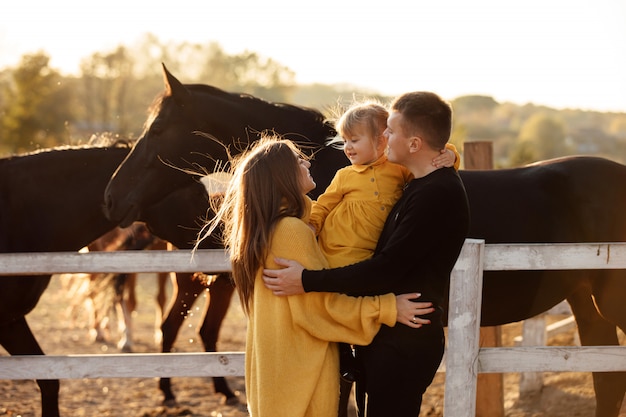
{"points": [[109, 140], [96, 141], [210, 90]]}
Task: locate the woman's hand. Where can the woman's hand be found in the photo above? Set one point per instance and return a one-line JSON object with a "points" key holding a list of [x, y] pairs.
{"points": [[409, 312]]}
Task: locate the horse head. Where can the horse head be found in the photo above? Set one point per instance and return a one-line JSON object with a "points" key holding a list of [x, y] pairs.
{"points": [[193, 129], [170, 154]]}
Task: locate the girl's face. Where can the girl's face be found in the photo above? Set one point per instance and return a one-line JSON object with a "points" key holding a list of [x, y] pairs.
{"points": [[306, 180], [361, 148]]}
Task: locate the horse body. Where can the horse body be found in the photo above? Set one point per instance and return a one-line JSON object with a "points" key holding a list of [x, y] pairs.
{"points": [[53, 201], [568, 200], [564, 200], [36, 215], [40, 211]]}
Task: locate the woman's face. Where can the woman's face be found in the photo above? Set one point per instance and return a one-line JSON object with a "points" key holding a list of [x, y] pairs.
{"points": [[306, 180]]}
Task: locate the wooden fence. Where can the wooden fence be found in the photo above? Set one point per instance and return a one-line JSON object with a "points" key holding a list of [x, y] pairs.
{"points": [[464, 358]]}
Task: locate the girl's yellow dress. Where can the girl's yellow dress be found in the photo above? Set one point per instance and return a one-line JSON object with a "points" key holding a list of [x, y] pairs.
{"points": [[349, 216]]}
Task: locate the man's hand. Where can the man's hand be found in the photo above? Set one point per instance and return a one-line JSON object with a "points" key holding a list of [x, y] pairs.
{"points": [[287, 281]]}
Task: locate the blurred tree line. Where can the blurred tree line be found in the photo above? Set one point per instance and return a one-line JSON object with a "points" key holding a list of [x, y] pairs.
{"points": [[40, 108]]}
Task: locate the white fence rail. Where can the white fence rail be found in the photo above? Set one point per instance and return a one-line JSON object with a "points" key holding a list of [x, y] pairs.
{"points": [[464, 358]]}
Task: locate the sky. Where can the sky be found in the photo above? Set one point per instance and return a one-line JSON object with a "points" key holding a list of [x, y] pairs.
{"points": [[558, 53]]}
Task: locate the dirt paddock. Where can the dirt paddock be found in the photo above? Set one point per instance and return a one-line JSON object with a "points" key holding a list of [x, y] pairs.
{"points": [[564, 394]]}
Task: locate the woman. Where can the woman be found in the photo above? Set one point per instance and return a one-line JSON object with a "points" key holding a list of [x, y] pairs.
{"points": [[292, 361]]}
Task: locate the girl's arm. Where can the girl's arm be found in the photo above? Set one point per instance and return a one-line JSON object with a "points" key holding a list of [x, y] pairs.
{"points": [[448, 157], [326, 202]]}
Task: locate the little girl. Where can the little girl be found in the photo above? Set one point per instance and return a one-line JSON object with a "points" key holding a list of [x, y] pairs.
{"points": [[349, 216]]}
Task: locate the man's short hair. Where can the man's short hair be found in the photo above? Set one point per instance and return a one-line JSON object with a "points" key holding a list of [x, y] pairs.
{"points": [[426, 115]]}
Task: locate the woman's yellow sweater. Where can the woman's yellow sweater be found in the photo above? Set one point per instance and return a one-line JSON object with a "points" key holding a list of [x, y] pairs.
{"points": [[292, 363]]}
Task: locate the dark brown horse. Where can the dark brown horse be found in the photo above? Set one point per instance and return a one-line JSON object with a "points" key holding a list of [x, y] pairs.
{"points": [[49, 201], [570, 200], [53, 201], [565, 200]]}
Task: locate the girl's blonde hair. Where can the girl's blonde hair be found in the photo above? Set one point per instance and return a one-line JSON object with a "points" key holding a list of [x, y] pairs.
{"points": [[265, 187], [370, 114]]}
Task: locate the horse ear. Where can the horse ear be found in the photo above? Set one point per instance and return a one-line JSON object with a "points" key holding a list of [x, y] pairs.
{"points": [[176, 89]]}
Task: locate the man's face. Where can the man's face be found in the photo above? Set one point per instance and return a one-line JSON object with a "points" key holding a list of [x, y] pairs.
{"points": [[398, 142]]}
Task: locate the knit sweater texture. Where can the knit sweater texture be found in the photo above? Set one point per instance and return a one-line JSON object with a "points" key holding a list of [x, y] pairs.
{"points": [[292, 364]]}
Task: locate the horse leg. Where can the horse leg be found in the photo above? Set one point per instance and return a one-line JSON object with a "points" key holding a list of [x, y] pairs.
{"points": [[220, 292], [594, 330], [161, 295], [160, 298], [184, 293], [98, 324], [128, 304], [609, 294], [130, 293], [124, 308], [17, 339]]}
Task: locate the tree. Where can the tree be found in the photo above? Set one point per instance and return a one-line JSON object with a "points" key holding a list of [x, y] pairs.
{"points": [[248, 72], [208, 63], [36, 106], [474, 103], [106, 80], [523, 153], [545, 135]]}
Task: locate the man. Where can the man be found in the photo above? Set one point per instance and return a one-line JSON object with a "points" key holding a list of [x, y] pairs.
{"points": [[416, 252]]}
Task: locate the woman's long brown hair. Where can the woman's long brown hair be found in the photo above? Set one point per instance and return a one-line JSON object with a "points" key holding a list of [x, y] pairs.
{"points": [[265, 188]]}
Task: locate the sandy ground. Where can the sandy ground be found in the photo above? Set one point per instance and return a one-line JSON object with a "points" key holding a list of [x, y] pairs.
{"points": [[564, 394]]}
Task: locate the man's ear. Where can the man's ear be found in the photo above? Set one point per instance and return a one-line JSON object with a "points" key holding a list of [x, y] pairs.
{"points": [[415, 144]]}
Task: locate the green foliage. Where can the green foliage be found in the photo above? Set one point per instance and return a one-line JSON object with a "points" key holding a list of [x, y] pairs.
{"points": [[40, 108], [529, 133], [469, 104], [35, 106], [458, 136], [103, 88], [523, 153], [546, 136]]}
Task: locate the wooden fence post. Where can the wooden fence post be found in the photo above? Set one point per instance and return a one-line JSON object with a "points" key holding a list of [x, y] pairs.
{"points": [[490, 391], [533, 334], [466, 285], [478, 155]]}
